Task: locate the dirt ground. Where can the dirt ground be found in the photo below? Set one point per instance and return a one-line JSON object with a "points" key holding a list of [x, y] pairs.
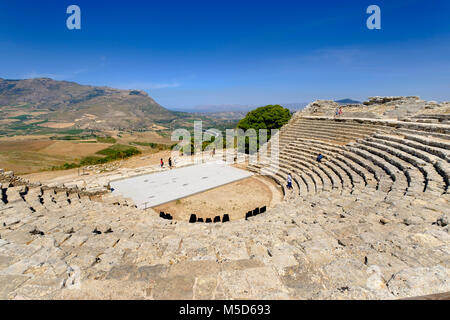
{"points": [[74, 149], [146, 159], [236, 199], [28, 145], [22, 162], [32, 154], [57, 125], [133, 162], [45, 176], [148, 136]]}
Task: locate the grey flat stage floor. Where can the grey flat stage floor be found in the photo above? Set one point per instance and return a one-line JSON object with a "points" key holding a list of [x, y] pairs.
{"points": [[158, 188]]}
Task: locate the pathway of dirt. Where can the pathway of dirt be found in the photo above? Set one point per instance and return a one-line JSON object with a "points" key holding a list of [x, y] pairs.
{"points": [[133, 162]]}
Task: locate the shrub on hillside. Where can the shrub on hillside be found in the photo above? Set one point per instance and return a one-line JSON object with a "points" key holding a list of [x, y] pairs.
{"points": [[106, 140], [157, 146], [118, 150], [115, 152]]}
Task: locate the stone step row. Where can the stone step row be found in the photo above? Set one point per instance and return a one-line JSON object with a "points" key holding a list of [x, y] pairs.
{"points": [[359, 160], [389, 123], [329, 176], [357, 130], [328, 131], [357, 174], [441, 150], [345, 125], [442, 170], [430, 141], [388, 174], [296, 164], [415, 174], [427, 134], [397, 169], [338, 170], [305, 180], [434, 168], [337, 140], [258, 168], [338, 174]]}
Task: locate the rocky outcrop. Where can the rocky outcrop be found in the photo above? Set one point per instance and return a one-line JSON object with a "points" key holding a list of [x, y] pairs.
{"points": [[384, 100], [321, 107], [405, 108]]}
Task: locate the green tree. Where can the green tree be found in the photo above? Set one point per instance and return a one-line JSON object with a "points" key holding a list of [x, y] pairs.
{"points": [[268, 117]]}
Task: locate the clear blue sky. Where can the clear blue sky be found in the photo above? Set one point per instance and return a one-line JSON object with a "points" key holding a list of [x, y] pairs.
{"points": [[187, 53]]}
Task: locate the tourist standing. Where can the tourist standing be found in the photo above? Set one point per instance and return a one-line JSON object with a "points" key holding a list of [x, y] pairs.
{"points": [[289, 181], [170, 162], [162, 163]]}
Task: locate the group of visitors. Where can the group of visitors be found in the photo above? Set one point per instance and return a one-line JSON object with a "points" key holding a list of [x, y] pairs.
{"points": [[339, 112], [169, 161]]}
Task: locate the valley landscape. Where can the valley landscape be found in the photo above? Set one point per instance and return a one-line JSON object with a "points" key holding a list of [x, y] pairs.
{"points": [[45, 124]]}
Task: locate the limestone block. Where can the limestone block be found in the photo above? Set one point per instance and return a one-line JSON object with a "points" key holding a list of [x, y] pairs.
{"points": [[420, 281]]}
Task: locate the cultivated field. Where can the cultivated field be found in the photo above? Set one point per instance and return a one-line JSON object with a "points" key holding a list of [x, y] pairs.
{"points": [[30, 154]]}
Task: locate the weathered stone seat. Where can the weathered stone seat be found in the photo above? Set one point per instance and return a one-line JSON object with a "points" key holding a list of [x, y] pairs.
{"points": [[411, 133], [413, 169], [435, 170], [260, 169], [321, 179], [391, 163], [330, 152], [14, 194], [335, 174], [383, 169], [439, 149]]}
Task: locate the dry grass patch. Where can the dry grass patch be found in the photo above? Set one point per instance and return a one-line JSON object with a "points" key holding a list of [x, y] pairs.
{"points": [[57, 125], [22, 162], [149, 136], [28, 145], [74, 148]]}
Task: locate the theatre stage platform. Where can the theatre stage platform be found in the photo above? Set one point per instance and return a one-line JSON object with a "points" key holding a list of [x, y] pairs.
{"points": [[158, 188]]}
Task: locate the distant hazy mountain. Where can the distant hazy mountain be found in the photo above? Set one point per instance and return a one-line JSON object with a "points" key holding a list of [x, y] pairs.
{"points": [[230, 115], [236, 108], [347, 101], [295, 106], [215, 108]]}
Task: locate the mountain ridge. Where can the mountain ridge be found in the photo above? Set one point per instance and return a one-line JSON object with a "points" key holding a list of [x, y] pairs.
{"points": [[347, 101], [86, 106]]}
